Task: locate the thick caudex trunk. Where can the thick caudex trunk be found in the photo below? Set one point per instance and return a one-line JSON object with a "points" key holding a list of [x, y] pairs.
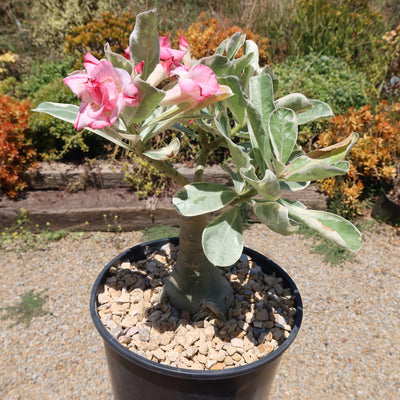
{"points": [[195, 284]]}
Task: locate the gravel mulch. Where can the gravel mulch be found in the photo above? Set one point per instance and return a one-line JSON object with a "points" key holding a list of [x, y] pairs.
{"points": [[347, 348]]}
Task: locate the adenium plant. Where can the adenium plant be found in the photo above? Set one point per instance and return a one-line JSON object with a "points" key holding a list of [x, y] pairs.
{"points": [[226, 102]]}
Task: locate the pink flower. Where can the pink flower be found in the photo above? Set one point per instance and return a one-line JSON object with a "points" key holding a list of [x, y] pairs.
{"points": [[104, 90], [127, 54], [169, 54], [193, 86], [170, 59], [183, 44], [138, 69]]}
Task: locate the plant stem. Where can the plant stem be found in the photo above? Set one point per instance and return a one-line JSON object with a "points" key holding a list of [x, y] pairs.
{"points": [[206, 149], [195, 284]]}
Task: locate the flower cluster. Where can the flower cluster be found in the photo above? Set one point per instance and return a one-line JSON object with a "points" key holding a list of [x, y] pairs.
{"points": [[106, 90]]}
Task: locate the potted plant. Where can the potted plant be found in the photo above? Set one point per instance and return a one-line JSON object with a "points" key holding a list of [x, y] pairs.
{"points": [[387, 207], [225, 102]]}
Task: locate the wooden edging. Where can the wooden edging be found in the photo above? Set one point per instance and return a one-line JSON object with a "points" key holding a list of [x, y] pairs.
{"points": [[110, 205]]}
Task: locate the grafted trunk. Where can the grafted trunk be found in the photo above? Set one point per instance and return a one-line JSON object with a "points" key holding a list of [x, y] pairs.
{"points": [[195, 284]]}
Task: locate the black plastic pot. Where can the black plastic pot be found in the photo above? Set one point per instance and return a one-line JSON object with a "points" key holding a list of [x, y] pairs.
{"points": [[386, 210], [135, 377]]}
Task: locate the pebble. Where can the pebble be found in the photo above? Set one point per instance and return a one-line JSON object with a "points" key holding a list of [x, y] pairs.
{"points": [[144, 334], [130, 309]]}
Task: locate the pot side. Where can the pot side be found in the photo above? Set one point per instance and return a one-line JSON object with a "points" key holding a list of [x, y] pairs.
{"points": [[135, 377]]}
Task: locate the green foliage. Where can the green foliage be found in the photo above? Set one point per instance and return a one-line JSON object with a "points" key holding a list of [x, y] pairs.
{"points": [[23, 236], [159, 232], [346, 29], [31, 305], [324, 77], [59, 18], [144, 179], [268, 18], [40, 74], [7, 86], [14, 17], [9, 65]]}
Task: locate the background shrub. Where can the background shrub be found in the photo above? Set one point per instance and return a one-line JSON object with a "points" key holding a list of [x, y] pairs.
{"points": [[323, 77], [348, 29], [206, 34], [392, 84], [144, 179], [373, 158], [108, 28], [16, 153], [39, 74]]}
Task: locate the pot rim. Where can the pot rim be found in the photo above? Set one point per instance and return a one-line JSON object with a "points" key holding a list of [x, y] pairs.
{"points": [[183, 372]]}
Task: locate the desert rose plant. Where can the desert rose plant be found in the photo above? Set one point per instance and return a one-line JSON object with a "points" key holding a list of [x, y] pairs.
{"points": [[225, 102]]}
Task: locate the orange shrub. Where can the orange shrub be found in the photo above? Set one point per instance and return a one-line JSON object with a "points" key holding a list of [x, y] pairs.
{"points": [[16, 154], [205, 35], [108, 28], [373, 158]]}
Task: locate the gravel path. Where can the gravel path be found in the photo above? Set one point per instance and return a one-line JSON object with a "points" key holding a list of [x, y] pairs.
{"points": [[348, 346]]}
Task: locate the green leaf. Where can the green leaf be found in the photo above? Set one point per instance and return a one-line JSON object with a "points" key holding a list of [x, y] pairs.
{"points": [[239, 157], [268, 187], [275, 216], [144, 44], [222, 66], [148, 97], [66, 112], [293, 186], [304, 169], [69, 112], [222, 47], [236, 103], [222, 239], [165, 153], [234, 44], [251, 47], [258, 136], [283, 133], [222, 122], [202, 198], [328, 225], [295, 101], [262, 96], [319, 110], [237, 179], [275, 81], [337, 151], [117, 60]]}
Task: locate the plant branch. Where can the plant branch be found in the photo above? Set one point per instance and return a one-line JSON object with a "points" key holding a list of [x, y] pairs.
{"points": [[206, 149], [246, 196], [161, 166]]}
